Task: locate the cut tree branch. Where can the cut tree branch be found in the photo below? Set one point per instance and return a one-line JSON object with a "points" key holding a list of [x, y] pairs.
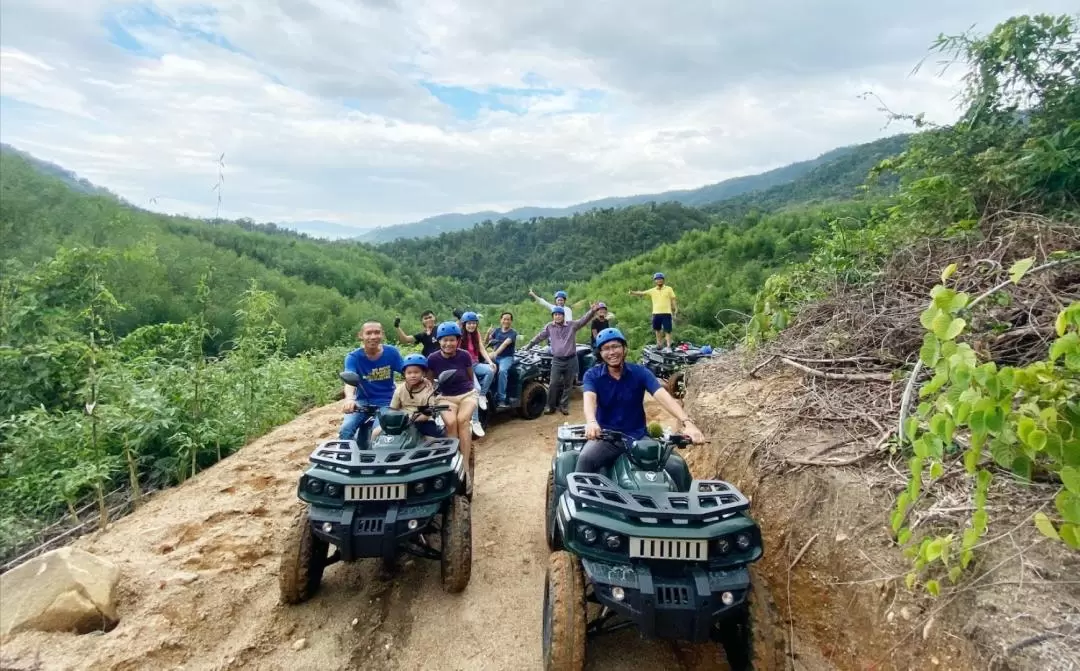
{"points": [[852, 377]]}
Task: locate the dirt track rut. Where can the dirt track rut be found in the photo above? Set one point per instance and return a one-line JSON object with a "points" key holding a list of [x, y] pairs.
{"points": [[200, 577]]}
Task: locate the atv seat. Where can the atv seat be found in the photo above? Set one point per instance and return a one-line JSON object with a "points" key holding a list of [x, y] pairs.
{"points": [[675, 467]]}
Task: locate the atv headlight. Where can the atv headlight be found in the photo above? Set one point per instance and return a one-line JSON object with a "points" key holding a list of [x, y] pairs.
{"points": [[588, 534], [419, 487], [742, 541], [612, 541], [723, 545], [333, 491], [439, 482], [315, 486]]}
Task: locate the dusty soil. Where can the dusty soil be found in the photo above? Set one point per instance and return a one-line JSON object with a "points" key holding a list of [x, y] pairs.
{"points": [[222, 528], [832, 568]]}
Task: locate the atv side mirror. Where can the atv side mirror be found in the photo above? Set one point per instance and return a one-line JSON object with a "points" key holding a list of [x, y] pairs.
{"points": [[349, 377], [445, 377]]}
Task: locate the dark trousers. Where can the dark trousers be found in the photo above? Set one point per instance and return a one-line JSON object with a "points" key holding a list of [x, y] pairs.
{"points": [[563, 373], [598, 455]]}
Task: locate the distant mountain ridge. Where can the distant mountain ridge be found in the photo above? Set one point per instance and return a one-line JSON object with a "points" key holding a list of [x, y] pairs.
{"points": [[706, 195], [53, 170]]}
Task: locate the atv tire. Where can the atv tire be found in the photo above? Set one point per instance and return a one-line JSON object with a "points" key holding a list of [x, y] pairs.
{"points": [[533, 400], [551, 526], [302, 561], [456, 558], [753, 639], [564, 614]]}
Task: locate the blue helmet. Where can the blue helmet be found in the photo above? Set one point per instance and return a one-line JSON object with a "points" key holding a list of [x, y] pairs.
{"points": [[560, 294], [558, 310], [470, 317], [448, 329], [706, 349], [609, 334], [658, 276], [414, 359]]}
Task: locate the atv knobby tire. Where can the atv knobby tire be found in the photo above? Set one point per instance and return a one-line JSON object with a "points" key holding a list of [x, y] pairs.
{"points": [[533, 400], [456, 544], [754, 639], [303, 559], [564, 614], [551, 526], [674, 385]]}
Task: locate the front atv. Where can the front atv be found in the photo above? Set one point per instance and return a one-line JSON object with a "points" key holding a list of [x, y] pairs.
{"points": [[670, 366], [526, 389], [644, 546], [400, 493]]}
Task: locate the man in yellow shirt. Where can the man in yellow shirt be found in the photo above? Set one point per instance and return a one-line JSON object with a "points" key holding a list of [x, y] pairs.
{"points": [[664, 308]]}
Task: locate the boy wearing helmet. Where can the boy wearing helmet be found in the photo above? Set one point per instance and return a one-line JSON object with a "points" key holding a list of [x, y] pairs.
{"points": [[614, 395], [415, 392], [664, 308], [560, 301]]}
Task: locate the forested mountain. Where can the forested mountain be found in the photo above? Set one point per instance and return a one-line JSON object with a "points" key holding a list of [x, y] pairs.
{"points": [[497, 261], [155, 262], [838, 159]]}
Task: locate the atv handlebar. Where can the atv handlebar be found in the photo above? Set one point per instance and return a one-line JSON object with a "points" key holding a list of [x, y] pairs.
{"points": [[679, 440]]}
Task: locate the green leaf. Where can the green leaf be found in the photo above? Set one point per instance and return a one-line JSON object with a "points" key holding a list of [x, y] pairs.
{"points": [[1070, 477], [1070, 533], [927, 317], [954, 574], [1068, 505], [936, 469], [1020, 268], [1036, 439], [930, 351], [1060, 323], [977, 421], [956, 327], [1064, 345], [904, 536], [948, 272], [911, 428], [971, 460], [1046, 526], [1002, 452], [1022, 465], [909, 580], [933, 587], [959, 302], [1024, 427]]}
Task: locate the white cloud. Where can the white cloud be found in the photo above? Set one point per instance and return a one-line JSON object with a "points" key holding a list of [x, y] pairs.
{"points": [[328, 109]]}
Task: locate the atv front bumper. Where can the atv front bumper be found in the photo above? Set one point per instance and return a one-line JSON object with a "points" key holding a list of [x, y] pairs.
{"points": [[371, 530], [683, 608]]}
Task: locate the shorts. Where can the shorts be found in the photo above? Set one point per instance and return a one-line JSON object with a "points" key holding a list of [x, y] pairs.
{"points": [[458, 400], [661, 323]]}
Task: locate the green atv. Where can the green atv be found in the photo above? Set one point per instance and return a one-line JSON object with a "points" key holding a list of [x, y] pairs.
{"points": [[526, 391], [645, 546], [402, 492]]}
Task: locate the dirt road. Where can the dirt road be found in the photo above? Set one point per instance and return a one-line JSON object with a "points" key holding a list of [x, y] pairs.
{"points": [[200, 577]]}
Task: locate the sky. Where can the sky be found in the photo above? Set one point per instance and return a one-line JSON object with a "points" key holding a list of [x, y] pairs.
{"points": [[375, 112]]}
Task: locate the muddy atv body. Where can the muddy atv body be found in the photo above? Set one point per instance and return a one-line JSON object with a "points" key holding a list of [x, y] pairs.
{"points": [[670, 367], [399, 493], [526, 389], [586, 359], [643, 545]]}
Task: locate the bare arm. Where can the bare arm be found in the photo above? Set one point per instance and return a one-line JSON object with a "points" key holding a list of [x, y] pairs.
{"points": [[404, 337], [686, 425], [674, 306], [503, 345], [542, 335], [578, 323], [637, 293], [592, 429]]}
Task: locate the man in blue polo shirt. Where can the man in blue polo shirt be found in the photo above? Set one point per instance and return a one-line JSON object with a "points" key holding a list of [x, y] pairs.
{"points": [[614, 396], [376, 364]]}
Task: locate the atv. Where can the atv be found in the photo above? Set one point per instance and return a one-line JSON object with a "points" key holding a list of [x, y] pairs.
{"points": [[669, 366], [586, 358], [402, 492], [645, 546], [525, 390]]}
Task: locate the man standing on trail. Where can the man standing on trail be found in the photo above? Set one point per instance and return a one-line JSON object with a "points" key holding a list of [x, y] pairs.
{"points": [[560, 301], [614, 393], [664, 308], [564, 362], [376, 364], [426, 338]]}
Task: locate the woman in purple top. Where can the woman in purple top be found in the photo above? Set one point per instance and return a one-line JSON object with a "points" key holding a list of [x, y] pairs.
{"points": [[458, 392]]}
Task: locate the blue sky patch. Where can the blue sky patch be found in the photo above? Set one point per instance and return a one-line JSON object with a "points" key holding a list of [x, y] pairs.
{"points": [[467, 103], [122, 22]]}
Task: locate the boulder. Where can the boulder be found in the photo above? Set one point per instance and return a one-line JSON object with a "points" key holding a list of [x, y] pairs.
{"points": [[62, 590]]}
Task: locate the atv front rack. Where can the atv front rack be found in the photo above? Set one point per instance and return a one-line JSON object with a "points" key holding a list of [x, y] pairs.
{"points": [[706, 499], [345, 456]]}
